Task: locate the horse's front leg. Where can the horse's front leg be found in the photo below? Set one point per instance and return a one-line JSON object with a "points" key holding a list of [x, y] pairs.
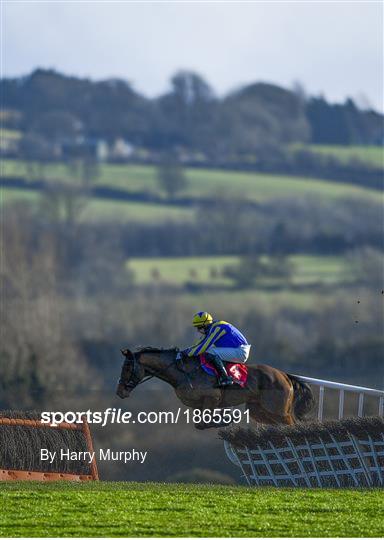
{"points": [[211, 416], [202, 415]]}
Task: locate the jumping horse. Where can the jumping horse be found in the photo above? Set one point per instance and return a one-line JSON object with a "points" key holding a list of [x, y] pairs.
{"points": [[271, 396]]}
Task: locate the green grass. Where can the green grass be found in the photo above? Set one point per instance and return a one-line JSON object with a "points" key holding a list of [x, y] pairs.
{"points": [[99, 210], [310, 271], [208, 270], [262, 187], [208, 183], [10, 134], [264, 301], [372, 155], [169, 510], [202, 183], [179, 270], [8, 195]]}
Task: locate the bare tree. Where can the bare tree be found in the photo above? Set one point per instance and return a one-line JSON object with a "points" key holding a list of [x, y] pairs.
{"points": [[38, 355], [171, 178], [367, 266]]}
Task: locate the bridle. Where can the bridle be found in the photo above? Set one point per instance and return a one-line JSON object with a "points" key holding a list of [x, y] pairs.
{"points": [[135, 380]]}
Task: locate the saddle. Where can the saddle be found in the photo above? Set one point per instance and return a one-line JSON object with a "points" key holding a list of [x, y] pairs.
{"points": [[238, 372]]}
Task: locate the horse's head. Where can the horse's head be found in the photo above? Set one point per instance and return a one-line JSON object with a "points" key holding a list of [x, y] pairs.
{"points": [[132, 372]]}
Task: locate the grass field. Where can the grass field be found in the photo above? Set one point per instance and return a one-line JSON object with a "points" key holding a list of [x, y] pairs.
{"points": [[150, 510], [202, 183], [372, 155], [208, 270], [208, 183], [265, 301], [10, 134], [99, 210]]}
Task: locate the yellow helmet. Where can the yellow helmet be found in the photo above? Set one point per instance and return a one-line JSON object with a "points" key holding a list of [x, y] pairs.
{"points": [[202, 319]]}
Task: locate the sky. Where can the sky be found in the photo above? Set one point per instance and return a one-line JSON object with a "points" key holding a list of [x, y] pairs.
{"points": [[331, 48]]}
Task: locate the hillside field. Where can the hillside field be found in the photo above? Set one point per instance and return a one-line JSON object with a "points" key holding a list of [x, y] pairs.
{"points": [[204, 182], [370, 155], [307, 270], [174, 510], [94, 210]]}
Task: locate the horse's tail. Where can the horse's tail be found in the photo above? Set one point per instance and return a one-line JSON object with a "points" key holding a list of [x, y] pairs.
{"points": [[303, 399]]}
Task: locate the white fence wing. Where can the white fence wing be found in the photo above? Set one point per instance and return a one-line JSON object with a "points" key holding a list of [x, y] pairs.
{"points": [[342, 389]]}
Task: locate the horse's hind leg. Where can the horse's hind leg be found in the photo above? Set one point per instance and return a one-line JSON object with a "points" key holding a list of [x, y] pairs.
{"points": [[276, 399], [256, 413]]}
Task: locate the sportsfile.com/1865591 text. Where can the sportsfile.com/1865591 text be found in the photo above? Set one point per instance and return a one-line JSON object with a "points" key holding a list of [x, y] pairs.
{"points": [[118, 416]]}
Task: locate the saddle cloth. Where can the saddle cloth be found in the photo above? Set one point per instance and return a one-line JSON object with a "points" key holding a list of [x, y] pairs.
{"points": [[238, 372]]}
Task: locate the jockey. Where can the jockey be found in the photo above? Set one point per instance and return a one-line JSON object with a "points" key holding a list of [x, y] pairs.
{"points": [[221, 342]]}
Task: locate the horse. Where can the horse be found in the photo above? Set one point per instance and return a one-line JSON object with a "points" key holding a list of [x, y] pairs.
{"points": [[271, 396]]}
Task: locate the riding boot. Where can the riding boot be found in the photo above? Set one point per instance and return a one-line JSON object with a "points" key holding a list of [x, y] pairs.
{"points": [[223, 378]]}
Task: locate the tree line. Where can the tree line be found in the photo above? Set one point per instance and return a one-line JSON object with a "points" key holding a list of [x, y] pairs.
{"points": [[274, 228], [249, 121]]}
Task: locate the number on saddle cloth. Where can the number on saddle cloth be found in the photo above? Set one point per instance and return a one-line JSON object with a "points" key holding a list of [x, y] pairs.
{"points": [[238, 372]]}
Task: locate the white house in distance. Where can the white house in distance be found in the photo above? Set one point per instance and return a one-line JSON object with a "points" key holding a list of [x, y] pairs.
{"points": [[120, 150]]}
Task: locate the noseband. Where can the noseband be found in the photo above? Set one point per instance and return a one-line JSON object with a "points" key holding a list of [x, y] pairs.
{"points": [[134, 379]]}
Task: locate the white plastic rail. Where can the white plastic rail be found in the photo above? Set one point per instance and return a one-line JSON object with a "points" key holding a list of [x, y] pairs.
{"points": [[342, 388]]}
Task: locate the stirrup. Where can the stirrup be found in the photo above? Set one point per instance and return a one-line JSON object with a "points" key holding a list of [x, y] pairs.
{"points": [[223, 382]]}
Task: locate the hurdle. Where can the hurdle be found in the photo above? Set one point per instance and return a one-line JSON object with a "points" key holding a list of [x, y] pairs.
{"points": [[336, 453], [8, 474], [344, 452]]}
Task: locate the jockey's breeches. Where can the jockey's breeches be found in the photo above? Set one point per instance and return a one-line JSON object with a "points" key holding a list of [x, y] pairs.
{"points": [[229, 354]]}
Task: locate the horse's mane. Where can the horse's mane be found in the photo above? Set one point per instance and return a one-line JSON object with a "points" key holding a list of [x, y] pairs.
{"points": [[155, 349]]}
